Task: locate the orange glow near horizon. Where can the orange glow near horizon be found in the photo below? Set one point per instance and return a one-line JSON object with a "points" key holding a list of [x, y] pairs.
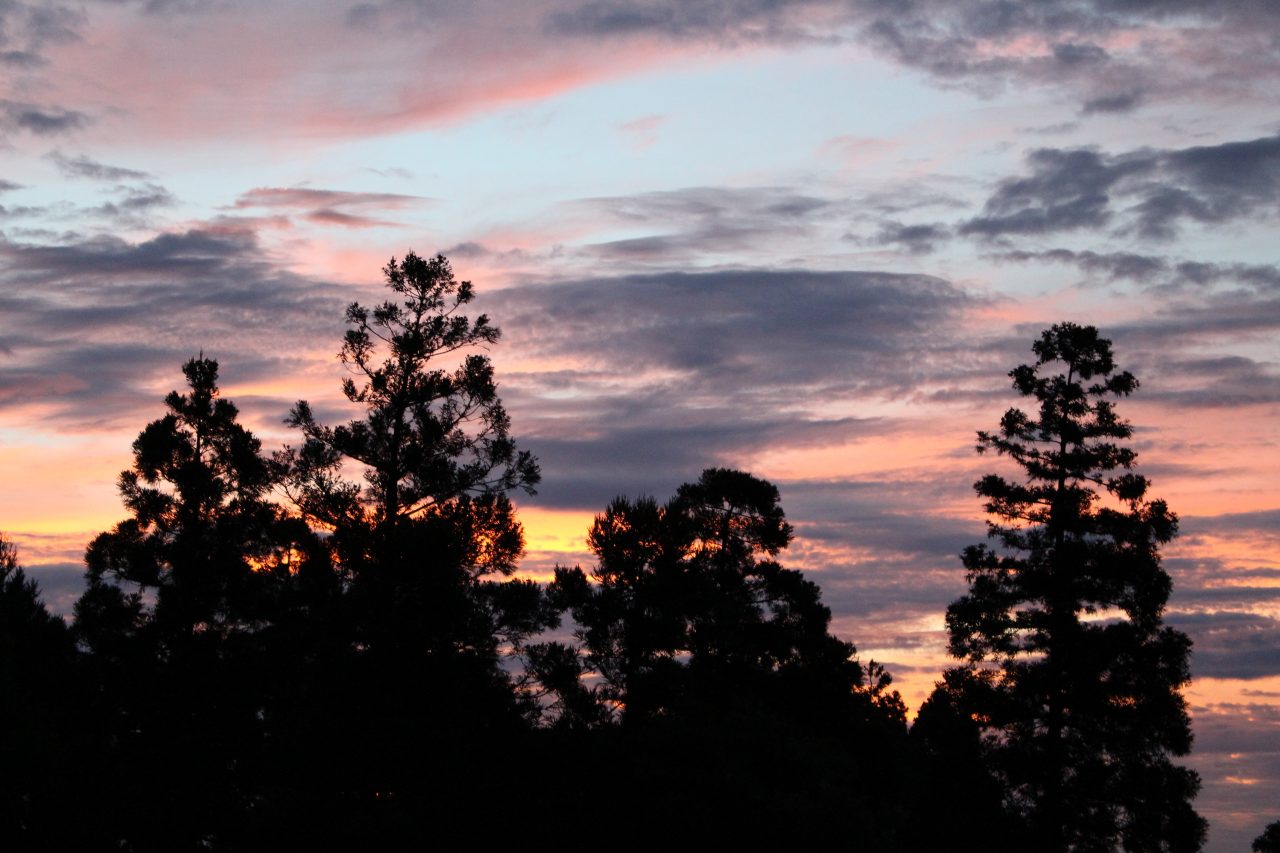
{"points": [[556, 529]]}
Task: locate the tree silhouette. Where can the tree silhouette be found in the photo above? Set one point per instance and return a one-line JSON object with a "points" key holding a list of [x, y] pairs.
{"points": [[203, 539], [176, 616], [1072, 676], [430, 434], [424, 546], [1269, 840], [422, 539], [688, 604], [41, 732], [717, 664]]}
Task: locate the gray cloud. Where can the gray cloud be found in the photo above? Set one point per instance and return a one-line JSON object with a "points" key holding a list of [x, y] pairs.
{"points": [[885, 515], [60, 585], [1110, 265], [1077, 53], [697, 220], [1239, 762], [1147, 191], [21, 211], [1157, 270], [85, 167], [22, 59], [1211, 318], [133, 205], [329, 207], [1067, 189], [981, 43], [90, 324], [1231, 644], [972, 42], [29, 27], [40, 120], [760, 328], [26, 29], [680, 371], [916, 239], [732, 21], [1261, 521], [648, 444], [1215, 382], [1119, 103]]}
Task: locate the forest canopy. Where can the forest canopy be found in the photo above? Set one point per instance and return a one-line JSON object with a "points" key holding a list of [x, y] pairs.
{"points": [[270, 653]]}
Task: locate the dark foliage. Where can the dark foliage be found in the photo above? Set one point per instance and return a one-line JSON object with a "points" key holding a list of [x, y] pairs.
{"points": [[1069, 673], [354, 665], [1269, 840], [414, 694], [181, 620], [707, 670], [41, 749]]}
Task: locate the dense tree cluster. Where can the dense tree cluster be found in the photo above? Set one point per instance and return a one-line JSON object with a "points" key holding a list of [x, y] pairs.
{"points": [[270, 654]]}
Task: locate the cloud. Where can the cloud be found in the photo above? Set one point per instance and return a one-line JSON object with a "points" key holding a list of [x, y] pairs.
{"points": [[92, 325], [761, 328], [329, 207], [916, 239], [1109, 265], [39, 120], [1235, 753], [435, 62], [1211, 318], [85, 167], [643, 132], [1163, 271], [1228, 381], [33, 26], [729, 22], [1231, 644], [662, 375], [649, 444], [674, 228], [1121, 103], [1259, 521], [304, 197], [1067, 189], [1092, 47], [133, 205], [22, 59], [1148, 192]]}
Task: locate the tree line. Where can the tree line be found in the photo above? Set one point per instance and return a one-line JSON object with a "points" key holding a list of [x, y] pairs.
{"points": [[328, 646]]}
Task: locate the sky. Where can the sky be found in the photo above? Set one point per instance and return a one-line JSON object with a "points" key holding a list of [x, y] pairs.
{"points": [[807, 239]]}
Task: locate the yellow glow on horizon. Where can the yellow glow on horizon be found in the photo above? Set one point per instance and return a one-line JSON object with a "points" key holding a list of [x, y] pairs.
{"points": [[555, 530], [902, 452], [1205, 693]]}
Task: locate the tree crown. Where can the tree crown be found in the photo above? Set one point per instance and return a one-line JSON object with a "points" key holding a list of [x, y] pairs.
{"points": [[431, 431]]}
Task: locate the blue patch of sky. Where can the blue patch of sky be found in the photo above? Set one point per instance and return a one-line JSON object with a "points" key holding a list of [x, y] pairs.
{"points": [[745, 119]]}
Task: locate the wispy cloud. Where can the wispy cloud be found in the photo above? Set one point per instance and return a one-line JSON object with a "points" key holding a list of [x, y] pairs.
{"points": [[85, 167]]}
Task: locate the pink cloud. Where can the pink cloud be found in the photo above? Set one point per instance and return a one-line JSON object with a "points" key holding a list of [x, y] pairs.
{"points": [[643, 132], [290, 70]]}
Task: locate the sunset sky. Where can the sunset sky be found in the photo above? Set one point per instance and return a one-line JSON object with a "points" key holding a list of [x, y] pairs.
{"points": [[805, 239]]}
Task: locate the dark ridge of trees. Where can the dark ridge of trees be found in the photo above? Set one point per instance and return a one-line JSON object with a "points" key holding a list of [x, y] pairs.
{"points": [[704, 673], [1076, 718], [271, 655], [38, 708], [1269, 840], [687, 612]]}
